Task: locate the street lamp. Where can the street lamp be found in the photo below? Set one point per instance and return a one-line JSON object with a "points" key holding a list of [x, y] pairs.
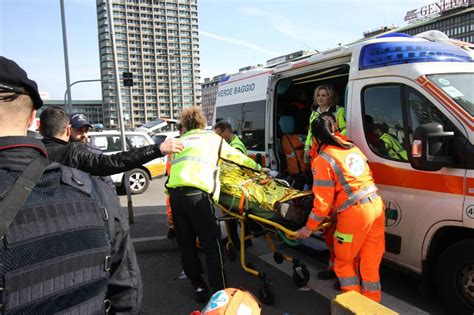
{"points": [[68, 93]]}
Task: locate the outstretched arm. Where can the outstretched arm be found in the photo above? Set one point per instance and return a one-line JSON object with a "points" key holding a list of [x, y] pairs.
{"points": [[103, 165]]}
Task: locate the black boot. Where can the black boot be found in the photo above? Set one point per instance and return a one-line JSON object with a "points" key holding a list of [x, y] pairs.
{"points": [[201, 293], [327, 275], [171, 233]]}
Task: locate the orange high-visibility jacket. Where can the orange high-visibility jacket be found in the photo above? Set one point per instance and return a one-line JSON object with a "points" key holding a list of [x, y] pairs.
{"points": [[340, 178], [313, 153]]}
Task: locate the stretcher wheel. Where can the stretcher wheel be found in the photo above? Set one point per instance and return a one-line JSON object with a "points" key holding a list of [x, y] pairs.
{"points": [[278, 257], [300, 275], [265, 294], [230, 251]]}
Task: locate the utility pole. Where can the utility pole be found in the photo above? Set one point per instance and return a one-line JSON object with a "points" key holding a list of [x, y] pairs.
{"points": [[119, 104], [66, 58]]}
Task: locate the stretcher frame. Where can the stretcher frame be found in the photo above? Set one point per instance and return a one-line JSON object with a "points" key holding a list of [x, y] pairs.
{"points": [[300, 275]]}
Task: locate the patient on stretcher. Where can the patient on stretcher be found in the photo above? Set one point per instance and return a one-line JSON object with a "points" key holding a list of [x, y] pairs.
{"points": [[268, 197]]}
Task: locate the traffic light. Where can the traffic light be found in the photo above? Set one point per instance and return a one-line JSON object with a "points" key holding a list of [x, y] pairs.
{"points": [[127, 79]]}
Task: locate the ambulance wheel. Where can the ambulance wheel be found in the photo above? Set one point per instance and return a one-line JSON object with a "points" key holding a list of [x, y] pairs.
{"points": [[265, 294], [231, 252], [300, 275], [455, 277], [278, 257]]}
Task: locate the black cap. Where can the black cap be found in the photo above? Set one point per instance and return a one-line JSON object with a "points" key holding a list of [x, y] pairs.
{"points": [[78, 121], [12, 75]]}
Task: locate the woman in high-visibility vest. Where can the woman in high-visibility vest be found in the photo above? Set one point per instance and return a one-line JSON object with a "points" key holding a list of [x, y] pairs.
{"points": [[343, 181], [324, 100], [193, 185]]}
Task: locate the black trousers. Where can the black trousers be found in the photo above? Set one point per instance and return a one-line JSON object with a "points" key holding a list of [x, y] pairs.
{"points": [[193, 215]]}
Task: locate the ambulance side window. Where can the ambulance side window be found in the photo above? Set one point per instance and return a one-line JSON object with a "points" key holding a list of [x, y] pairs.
{"points": [[421, 111], [392, 113], [383, 121], [247, 121]]}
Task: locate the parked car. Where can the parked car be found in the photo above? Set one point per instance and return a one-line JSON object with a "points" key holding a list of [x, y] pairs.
{"points": [[163, 136], [109, 142]]}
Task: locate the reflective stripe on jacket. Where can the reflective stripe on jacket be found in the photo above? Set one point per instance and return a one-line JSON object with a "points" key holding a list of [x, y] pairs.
{"points": [[236, 143], [394, 149], [338, 112], [341, 178], [197, 165]]}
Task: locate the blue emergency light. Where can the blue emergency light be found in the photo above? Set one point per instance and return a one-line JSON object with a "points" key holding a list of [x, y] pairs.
{"points": [[378, 55], [224, 78], [394, 35]]}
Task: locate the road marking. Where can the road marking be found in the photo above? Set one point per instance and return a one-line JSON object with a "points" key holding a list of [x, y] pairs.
{"points": [[148, 239], [326, 288]]}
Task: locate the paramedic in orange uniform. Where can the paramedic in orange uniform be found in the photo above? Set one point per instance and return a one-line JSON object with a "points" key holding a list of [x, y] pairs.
{"points": [[343, 180], [328, 233]]}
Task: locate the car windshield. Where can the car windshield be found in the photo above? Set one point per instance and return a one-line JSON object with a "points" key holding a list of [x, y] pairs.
{"points": [[153, 123], [458, 86]]}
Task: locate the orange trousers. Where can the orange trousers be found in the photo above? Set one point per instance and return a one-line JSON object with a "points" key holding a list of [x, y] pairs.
{"points": [[169, 215], [360, 238], [328, 235]]}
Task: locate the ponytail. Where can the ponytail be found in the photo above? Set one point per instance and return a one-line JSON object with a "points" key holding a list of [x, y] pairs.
{"points": [[322, 129]]}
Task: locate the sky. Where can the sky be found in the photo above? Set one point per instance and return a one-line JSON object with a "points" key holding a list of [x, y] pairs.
{"points": [[232, 34]]}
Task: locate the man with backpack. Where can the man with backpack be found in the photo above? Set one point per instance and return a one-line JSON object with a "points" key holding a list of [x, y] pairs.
{"points": [[65, 247]]}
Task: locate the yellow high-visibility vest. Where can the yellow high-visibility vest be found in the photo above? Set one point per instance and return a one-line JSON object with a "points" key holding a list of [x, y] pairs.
{"points": [[238, 144], [394, 149], [339, 113], [198, 164]]}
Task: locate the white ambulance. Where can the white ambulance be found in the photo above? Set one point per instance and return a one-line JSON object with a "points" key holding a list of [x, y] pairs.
{"points": [[422, 93]]}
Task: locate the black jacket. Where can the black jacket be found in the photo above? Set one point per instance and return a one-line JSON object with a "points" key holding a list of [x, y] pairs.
{"points": [[78, 155], [65, 229]]}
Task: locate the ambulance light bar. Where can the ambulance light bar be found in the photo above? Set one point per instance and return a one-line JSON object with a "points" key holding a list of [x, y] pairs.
{"points": [[378, 55]]}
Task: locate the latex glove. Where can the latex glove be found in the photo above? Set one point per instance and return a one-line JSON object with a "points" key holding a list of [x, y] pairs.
{"points": [[172, 145], [303, 233], [273, 173], [266, 170]]}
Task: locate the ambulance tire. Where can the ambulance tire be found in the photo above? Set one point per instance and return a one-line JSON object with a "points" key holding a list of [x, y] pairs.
{"points": [[457, 263]]}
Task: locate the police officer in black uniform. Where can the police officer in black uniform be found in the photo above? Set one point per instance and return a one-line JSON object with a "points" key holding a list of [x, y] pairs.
{"points": [[64, 246]]}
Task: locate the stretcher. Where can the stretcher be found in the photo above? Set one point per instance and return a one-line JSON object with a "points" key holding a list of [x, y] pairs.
{"points": [[237, 202]]}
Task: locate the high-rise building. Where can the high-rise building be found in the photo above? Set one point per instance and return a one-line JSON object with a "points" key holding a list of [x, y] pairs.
{"points": [[157, 41]]}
